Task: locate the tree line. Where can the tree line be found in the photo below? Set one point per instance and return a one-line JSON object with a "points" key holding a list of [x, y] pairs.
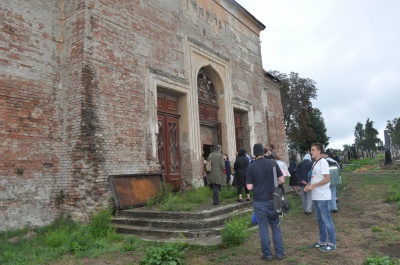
{"points": [[305, 125]]}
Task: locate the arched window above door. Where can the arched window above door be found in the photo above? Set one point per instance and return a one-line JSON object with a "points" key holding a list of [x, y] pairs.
{"points": [[205, 89], [207, 97]]}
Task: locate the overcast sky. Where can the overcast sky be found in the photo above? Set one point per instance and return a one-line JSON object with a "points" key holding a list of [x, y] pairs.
{"points": [[350, 48]]}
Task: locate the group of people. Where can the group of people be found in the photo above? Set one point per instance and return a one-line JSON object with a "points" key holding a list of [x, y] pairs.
{"points": [[222, 171], [313, 180], [238, 171]]}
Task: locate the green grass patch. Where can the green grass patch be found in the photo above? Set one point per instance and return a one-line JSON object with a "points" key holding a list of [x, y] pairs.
{"points": [[376, 228], [369, 163], [380, 261], [186, 201], [62, 238]]}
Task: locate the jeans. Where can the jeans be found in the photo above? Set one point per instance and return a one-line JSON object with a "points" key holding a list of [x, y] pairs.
{"points": [[325, 223], [306, 200], [216, 188], [333, 205], [266, 215]]}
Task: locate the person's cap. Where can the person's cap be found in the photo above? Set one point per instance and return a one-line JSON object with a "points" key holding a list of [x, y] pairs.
{"points": [[258, 150]]}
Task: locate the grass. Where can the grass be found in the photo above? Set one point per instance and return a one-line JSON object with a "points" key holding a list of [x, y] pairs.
{"points": [[364, 164], [64, 238]]}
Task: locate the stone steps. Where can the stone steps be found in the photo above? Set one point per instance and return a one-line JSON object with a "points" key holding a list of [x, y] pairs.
{"points": [[201, 227]]}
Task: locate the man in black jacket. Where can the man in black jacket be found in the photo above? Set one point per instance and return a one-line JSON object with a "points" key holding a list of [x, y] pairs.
{"points": [[260, 179]]}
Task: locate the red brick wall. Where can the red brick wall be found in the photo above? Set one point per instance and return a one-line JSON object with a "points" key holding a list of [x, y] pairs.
{"points": [[75, 101], [276, 126], [28, 63]]}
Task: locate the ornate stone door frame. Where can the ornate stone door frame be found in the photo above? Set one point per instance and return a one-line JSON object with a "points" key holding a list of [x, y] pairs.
{"points": [[217, 67]]}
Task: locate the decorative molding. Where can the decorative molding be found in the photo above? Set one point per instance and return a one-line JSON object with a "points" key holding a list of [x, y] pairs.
{"points": [[169, 76], [241, 101], [207, 48]]}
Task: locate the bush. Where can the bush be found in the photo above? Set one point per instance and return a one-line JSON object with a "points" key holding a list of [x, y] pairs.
{"points": [[80, 240], [169, 254], [55, 239], [101, 226], [236, 231]]}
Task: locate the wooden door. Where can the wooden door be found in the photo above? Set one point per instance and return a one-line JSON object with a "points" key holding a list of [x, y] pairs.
{"points": [[168, 144], [238, 130]]}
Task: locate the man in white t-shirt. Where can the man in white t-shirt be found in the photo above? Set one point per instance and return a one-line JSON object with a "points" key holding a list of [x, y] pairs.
{"points": [[321, 197]]}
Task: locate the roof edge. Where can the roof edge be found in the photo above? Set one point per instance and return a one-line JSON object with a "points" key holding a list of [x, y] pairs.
{"points": [[250, 15]]}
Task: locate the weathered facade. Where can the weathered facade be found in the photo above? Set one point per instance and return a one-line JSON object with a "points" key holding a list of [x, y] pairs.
{"points": [[93, 88]]}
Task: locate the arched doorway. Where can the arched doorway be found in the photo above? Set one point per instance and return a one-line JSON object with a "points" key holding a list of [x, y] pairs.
{"points": [[210, 126]]}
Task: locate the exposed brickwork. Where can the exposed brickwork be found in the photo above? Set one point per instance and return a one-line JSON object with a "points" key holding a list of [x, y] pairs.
{"points": [[276, 126], [75, 101]]}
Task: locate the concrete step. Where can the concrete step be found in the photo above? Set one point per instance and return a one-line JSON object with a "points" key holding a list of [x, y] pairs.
{"points": [[167, 233], [201, 227], [182, 223], [195, 215]]}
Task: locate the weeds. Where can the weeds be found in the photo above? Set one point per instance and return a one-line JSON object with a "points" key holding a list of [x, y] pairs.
{"points": [[236, 230], [380, 261], [168, 254], [100, 225], [376, 229], [63, 237], [163, 194], [185, 201]]}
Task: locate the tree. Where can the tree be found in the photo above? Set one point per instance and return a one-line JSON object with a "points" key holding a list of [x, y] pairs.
{"points": [[367, 138], [304, 125], [310, 129], [296, 95], [346, 147], [359, 133], [371, 136], [393, 128], [318, 125]]}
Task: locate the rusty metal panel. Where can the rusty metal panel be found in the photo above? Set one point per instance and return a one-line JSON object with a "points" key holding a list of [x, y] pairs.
{"points": [[135, 189]]}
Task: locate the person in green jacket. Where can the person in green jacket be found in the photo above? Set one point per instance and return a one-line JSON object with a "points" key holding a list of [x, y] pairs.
{"points": [[216, 178]]}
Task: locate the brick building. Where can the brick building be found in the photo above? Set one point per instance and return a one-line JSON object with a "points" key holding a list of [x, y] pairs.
{"points": [[91, 89]]}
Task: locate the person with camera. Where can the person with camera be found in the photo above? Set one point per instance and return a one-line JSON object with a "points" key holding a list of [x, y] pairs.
{"points": [[260, 179], [321, 197]]}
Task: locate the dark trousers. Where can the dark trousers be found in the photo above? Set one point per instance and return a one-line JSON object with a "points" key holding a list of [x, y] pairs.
{"points": [[240, 190], [216, 188]]}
